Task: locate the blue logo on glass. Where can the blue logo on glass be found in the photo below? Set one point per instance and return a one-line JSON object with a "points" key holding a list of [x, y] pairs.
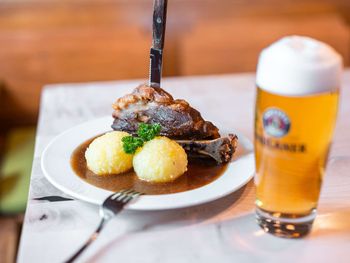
{"points": [[276, 122]]}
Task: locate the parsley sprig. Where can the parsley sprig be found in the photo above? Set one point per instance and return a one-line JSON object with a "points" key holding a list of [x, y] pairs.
{"points": [[145, 132], [130, 144]]}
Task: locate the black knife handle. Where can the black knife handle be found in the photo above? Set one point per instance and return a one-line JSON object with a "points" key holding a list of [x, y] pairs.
{"points": [[159, 23], [156, 57]]}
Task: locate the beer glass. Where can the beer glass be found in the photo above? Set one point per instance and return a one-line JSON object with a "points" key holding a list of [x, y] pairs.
{"points": [[298, 80]]}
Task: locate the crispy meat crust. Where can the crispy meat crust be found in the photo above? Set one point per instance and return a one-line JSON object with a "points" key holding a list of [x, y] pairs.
{"points": [[154, 105]]}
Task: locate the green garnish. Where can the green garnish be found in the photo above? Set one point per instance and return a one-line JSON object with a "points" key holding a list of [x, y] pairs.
{"points": [[145, 132], [130, 144], [148, 131]]}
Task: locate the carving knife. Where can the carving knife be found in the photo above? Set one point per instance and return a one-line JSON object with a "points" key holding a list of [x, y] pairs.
{"points": [[156, 53]]}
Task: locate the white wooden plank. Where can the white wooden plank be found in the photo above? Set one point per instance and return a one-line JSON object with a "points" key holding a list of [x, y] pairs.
{"points": [[223, 230]]}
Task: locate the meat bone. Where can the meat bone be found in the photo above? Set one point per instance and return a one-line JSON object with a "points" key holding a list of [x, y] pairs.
{"points": [[221, 149]]}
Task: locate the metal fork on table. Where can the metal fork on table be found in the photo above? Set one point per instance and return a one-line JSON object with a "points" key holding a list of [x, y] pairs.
{"points": [[110, 207]]}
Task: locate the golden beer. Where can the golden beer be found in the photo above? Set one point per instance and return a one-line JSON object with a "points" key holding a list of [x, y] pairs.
{"points": [[290, 169], [298, 81]]}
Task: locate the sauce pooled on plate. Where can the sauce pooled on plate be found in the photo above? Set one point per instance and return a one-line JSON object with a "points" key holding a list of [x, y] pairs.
{"points": [[200, 172]]}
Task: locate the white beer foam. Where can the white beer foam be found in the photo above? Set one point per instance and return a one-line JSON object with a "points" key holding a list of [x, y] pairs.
{"points": [[297, 65]]}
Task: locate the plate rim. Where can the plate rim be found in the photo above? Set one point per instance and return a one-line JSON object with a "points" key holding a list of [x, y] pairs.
{"points": [[249, 157]]}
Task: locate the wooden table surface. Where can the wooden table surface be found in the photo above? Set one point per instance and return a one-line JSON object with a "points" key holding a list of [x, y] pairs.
{"points": [[220, 231]]}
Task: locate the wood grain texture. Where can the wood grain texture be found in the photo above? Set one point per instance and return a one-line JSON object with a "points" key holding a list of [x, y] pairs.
{"points": [[75, 41], [36, 57], [211, 232], [233, 45], [8, 240]]}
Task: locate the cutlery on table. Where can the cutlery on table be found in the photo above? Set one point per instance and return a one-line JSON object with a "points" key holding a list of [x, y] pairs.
{"points": [[53, 198], [115, 203], [156, 53], [110, 207]]}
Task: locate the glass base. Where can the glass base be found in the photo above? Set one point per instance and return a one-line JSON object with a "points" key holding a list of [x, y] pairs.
{"points": [[285, 225]]}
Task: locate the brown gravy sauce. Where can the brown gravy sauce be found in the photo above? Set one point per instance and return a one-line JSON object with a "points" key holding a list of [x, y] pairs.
{"points": [[199, 173]]}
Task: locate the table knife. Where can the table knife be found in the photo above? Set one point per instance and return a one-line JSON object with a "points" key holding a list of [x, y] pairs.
{"points": [[156, 53]]}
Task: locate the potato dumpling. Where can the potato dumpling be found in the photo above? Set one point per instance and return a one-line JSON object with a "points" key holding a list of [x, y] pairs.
{"points": [[160, 160], [105, 155]]}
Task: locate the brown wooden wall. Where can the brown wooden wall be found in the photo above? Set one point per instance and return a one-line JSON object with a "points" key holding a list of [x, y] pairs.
{"points": [[208, 50], [76, 41]]}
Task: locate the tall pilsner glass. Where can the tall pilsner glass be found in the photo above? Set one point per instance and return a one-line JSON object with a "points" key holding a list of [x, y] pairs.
{"points": [[298, 81]]}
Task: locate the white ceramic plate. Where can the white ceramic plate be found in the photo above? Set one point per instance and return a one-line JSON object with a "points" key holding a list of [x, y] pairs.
{"points": [[56, 166]]}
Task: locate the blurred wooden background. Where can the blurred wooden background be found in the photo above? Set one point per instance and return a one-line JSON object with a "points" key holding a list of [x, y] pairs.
{"points": [[76, 41], [50, 41]]}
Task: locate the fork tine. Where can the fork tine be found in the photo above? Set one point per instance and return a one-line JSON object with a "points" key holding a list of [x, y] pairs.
{"points": [[135, 193], [114, 196], [126, 199], [129, 191], [131, 195], [118, 194], [125, 193]]}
